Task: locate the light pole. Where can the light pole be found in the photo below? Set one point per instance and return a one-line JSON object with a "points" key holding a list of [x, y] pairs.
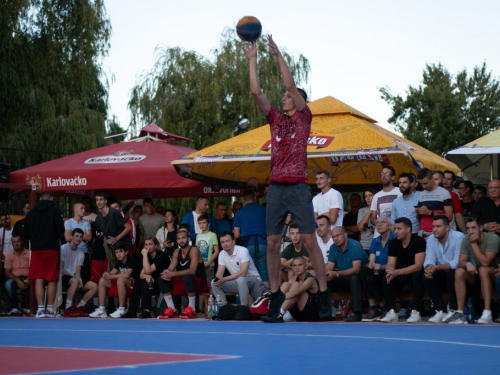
{"points": [[243, 124]]}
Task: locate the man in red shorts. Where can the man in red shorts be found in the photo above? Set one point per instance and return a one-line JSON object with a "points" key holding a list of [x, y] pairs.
{"points": [[44, 228], [289, 192]]}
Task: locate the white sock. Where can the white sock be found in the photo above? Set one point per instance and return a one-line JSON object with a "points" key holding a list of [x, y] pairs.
{"points": [[121, 308], [102, 308], [487, 312], [282, 311], [81, 303], [170, 301], [192, 302], [40, 307], [50, 308], [69, 303], [460, 311]]}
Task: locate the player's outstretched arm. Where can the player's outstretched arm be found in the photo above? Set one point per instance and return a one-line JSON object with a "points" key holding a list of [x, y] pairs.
{"points": [[261, 100], [288, 80]]}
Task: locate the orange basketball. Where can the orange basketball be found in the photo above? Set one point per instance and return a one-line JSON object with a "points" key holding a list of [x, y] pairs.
{"points": [[249, 28]]}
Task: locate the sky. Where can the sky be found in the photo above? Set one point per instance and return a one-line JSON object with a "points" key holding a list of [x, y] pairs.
{"points": [[353, 47]]}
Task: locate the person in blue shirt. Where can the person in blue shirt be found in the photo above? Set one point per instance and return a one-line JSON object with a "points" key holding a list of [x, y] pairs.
{"points": [[371, 275], [441, 261], [191, 218], [404, 205], [345, 261]]}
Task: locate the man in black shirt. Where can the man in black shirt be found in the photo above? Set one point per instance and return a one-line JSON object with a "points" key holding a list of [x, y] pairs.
{"points": [[404, 268], [487, 210], [465, 190]]}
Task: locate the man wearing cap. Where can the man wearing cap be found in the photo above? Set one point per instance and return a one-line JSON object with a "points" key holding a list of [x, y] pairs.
{"points": [[44, 227]]}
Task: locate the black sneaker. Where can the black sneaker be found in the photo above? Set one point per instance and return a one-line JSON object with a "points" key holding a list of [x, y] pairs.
{"points": [[325, 311], [129, 315], [145, 315], [273, 313], [356, 317]]}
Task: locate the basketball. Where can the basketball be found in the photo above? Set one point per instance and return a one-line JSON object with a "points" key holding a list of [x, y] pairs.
{"points": [[248, 28]]}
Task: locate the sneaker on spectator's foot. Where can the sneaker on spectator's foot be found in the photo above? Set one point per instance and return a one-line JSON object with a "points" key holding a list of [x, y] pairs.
{"points": [[26, 311], [334, 311], [390, 317], [99, 313], [384, 313], [70, 312], [49, 313], [448, 316], [458, 318], [497, 320], [355, 317], [14, 311], [129, 315], [438, 317], [402, 313], [188, 313], [274, 315], [414, 317], [169, 313], [372, 315], [80, 312], [288, 317], [145, 315], [325, 307], [40, 313], [485, 318], [118, 313]]}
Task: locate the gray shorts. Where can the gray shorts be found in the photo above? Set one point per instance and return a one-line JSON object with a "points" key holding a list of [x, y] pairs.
{"points": [[295, 199]]}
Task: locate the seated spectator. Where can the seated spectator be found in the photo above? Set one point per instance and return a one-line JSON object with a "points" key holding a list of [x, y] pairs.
{"points": [[295, 249], [465, 190], [404, 268], [497, 287], [187, 268], [17, 265], [350, 220], [441, 261], [72, 259], [244, 278], [324, 235], [371, 276], [477, 257], [127, 269], [365, 226], [480, 192], [301, 295], [486, 209], [345, 260]]}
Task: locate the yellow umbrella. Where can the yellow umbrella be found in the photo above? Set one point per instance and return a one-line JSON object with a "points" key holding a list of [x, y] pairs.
{"points": [[342, 140]]}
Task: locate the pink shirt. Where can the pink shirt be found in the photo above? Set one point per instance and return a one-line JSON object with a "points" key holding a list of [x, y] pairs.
{"points": [[289, 135], [19, 264]]}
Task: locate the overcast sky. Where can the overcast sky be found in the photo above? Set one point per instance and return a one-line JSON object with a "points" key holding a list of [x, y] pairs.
{"points": [[353, 46]]}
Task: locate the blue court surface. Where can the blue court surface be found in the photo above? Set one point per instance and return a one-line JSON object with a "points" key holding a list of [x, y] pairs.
{"points": [[247, 347]]}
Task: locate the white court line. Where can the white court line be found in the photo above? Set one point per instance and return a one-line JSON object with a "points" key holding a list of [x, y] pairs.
{"points": [[265, 334]]}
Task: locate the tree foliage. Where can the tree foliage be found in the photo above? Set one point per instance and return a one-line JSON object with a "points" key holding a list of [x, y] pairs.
{"points": [[203, 99], [53, 93], [447, 111]]}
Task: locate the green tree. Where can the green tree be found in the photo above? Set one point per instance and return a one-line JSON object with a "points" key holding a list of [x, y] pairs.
{"points": [[53, 93], [447, 111], [203, 99]]}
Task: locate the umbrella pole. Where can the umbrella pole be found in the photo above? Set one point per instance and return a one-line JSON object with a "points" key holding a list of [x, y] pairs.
{"points": [[491, 167]]}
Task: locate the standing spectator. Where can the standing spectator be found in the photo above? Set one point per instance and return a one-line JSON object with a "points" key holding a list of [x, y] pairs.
{"points": [[151, 221], [191, 218], [208, 245], [44, 228], [5, 236], [365, 226], [350, 222], [480, 192], [237, 205], [79, 222], [446, 180], [132, 234], [222, 223], [329, 201], [404, 205], [250, 230], [19, 225], [167, 234], [324, 236], [465, 190], [89, 214], [17, 265], [382, 201], [486, 209]]}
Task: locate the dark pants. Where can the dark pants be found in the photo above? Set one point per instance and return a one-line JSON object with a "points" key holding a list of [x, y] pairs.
{"points": [[372, 284], [413, 282], [442, 280], [349, 284], [142, 292], [167, 286]]}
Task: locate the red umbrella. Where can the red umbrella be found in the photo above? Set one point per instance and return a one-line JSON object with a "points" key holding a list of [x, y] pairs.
{"points": [[134, 169]]}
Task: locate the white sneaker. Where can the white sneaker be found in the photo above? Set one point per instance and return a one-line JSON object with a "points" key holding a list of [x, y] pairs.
{"points": [[288, 317], [458, 318], [26, 311], [14, 311], [485, 318], [391, 317], [414, 317], [98, 313], [448, 315], [438, 317], [40, 313], [118, 313], [49, 314]]}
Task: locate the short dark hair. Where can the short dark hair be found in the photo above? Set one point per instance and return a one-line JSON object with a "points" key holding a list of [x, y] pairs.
{"points": [[77, 230], [404, 220], [147, 200], [248, 195], [355, 195], [294, 226], [299, 257], [482, 188], [185, 227], [409, 176], [453, 175], [118, 245], [227, 233], [425, 173], [203, 217], [438, 172], [324, 217], [302, 93], [393, 172], [445, 219], [325, 172], [221, 204], [102, 194], [470, 219], [469, 185], [201, 197]]}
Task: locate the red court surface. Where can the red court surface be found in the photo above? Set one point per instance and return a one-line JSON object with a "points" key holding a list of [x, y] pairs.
{"points": [[48, 360]]}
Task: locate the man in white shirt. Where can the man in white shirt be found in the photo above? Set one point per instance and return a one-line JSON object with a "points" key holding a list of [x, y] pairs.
{"points": [[244, 278], [382, 201], [328, 202], [324, 235], [5, 236]]}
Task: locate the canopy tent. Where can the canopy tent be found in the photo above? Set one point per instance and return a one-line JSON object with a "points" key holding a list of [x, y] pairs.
{"points": [[134, 169], [343, 140], [479, 160]]}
